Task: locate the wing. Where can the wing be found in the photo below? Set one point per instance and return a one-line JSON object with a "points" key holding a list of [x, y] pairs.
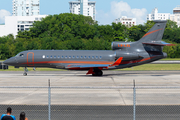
{"points": [[90, 67], [97, 65]]}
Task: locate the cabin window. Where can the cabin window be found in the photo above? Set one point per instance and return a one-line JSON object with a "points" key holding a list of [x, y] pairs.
{"points": [[47, 56], [96, 57], [92, 57], [73, 57], [89, 57], [81, 57], [77, 57], [69, 57], [54, 56], [62, 56], [66, 57], [85, 57], [58, 56], [100, 57], [51, 56], [43, 56]]}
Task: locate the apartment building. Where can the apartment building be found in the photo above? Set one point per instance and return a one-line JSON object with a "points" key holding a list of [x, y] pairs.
{"points": [[84, 7]]}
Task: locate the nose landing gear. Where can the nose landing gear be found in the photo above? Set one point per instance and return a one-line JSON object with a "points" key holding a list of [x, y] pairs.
{"points": [[25, 71]]}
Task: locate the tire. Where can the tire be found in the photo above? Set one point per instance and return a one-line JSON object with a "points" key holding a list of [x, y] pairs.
{"points": [[25, 74], [97, 72]]}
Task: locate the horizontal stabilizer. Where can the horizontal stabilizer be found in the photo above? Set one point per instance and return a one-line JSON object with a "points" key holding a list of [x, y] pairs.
{"points": [[158, 43]]}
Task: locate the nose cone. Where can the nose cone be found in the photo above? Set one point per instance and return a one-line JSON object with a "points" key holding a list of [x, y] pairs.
{"points": [[10, 61]]}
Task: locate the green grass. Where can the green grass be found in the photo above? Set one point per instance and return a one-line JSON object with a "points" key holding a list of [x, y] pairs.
{"points": [[145, 67], [170, 59], [158, 67]]}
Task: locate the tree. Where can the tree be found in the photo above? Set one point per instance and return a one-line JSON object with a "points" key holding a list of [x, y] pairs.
{"points": [[64, 26], [120, 32]]}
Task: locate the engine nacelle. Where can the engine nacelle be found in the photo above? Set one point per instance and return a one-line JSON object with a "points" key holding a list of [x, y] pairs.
{"points": [[127, 56], [121, 45]]}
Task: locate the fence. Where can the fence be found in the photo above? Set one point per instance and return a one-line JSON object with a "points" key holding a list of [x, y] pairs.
{"points": [[70, 103]]}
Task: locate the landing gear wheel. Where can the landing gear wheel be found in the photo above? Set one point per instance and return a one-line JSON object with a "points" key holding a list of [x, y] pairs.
{"points": [[25, 71], [97, 72], [25, 74]]}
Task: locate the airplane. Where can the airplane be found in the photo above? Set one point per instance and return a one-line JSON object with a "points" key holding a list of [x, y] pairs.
{"points": [[123, 55]]}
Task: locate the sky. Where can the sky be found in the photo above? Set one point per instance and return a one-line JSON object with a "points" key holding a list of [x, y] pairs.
{"points": [[106, 10]]}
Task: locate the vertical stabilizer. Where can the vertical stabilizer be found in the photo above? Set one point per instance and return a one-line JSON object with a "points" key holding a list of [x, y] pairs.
{"points": [[155, 33]]}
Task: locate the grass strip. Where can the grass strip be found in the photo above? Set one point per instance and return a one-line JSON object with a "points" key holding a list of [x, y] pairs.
{"points": [[154, 67]]}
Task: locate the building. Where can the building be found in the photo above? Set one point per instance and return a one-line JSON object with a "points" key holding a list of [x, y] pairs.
{"points": [[176, 15], [14, 24], [84, 7], [176, 10], [25, 8], [158, 16], [25, 12], [126, 21]]}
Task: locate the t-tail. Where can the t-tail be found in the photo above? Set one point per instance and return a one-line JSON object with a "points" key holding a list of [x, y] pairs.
{"points": [[149, 46], [155, 34]]}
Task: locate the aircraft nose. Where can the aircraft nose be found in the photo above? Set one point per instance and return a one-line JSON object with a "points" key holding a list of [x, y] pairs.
{"points": [[10, 61]]}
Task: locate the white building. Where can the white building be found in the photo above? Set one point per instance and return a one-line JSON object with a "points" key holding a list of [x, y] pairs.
{"points": [[25, 12], [158, 16], [84, 7], [14, 24], [25, 8], [176, 15], [126, 21]]}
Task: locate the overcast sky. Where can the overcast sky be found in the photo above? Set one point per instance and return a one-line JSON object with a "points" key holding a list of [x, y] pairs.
{"points": [[106, 10]]}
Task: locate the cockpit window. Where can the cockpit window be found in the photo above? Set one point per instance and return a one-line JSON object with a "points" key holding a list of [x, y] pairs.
{"points": [[20, 55], [17, 55]]}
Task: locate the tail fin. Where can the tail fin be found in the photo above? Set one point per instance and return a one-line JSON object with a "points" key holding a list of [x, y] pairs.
{"points": [[155, 33]]}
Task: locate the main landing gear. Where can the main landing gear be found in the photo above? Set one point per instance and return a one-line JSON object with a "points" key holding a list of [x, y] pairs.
{"points": [[25, 71], [97, 72]]}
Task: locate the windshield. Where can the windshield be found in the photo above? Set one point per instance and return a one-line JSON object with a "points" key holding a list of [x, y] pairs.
{"points": [[19, 55]]}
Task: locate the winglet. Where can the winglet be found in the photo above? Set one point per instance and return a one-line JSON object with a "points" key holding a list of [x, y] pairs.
{"points": [[118, 61]]}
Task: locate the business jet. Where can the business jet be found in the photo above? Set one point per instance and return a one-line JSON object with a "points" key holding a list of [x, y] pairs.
{"points": [[123, 55]]}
